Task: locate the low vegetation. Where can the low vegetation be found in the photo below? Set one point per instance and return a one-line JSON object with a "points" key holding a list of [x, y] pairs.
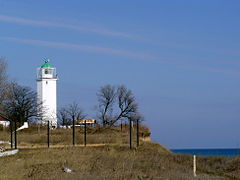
{"points": [[36, 136], [106, 157]]}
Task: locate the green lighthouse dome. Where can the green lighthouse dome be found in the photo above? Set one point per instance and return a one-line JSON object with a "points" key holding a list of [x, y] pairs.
{"points": [[46, 64]]}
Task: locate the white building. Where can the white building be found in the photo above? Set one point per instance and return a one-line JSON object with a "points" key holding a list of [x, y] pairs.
{"points": [[5, 122], [47, 92]]}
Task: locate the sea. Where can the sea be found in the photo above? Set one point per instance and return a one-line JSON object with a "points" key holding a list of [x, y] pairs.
{"points": [[209, 152]]}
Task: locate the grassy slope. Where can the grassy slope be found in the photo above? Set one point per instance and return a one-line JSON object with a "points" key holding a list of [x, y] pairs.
{"points": [[35, 136], [113, 162]]}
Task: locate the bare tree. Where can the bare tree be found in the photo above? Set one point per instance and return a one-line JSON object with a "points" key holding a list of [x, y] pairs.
{"points": [[22, 104], [70, 113], [120, 102], [63, 117], [126, 103], [137, 117], [75, 112], [4, 85], [106, 97]]}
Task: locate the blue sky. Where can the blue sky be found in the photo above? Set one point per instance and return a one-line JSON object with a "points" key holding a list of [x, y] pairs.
{"points": [[180, 58]]}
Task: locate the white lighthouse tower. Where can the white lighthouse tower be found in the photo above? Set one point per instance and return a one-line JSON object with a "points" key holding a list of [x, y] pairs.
{"points": [[47, 92]]}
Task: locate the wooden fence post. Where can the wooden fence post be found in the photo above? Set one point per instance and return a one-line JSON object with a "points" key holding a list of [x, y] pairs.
{"points": [[48, 138], [130, 132], [73, 138], [121, 126], [15, 134], [85, 133], [194, 166], [11, 131], [137, 132]]}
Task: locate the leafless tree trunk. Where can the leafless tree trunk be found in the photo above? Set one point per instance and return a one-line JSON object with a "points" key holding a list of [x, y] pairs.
{"points": [[22, 104], [63, 117], [106, 97], [4, 85], [74, 112], [126, 103], [124, 108]]}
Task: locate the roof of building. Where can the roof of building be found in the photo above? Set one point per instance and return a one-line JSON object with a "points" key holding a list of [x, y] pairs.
{"points": [[3, 117], [46, 64]]}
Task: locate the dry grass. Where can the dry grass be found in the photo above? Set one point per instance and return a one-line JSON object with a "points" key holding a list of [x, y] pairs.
{"points": [[112, 161], [37, 136], [106, 163], [227, 167]]}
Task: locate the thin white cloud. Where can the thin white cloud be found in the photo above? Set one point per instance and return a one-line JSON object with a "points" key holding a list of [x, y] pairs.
{"points": [[125, 53], [88, 48], [31, 22]]}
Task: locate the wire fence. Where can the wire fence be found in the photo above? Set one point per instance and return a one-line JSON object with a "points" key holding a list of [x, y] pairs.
{"points": [[43, 136]]}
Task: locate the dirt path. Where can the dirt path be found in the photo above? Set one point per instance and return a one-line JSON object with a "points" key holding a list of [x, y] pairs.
{"points": [[59, 146]]}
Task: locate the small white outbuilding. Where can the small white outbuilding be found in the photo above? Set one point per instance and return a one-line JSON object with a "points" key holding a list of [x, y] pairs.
{"points": [[4, 121]]}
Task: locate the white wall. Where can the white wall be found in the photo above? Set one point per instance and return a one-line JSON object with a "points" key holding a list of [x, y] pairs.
{"points": [[47, 93], [5, 123]]}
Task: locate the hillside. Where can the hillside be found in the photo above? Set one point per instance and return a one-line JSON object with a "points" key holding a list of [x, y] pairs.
{"points": [[113, 161]]}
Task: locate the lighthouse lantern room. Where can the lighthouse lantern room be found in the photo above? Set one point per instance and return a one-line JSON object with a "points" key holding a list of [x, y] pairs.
{"points": [[47, 92]]}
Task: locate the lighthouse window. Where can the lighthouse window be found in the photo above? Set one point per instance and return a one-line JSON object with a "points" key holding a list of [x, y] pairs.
{"points": [[48, 71]]}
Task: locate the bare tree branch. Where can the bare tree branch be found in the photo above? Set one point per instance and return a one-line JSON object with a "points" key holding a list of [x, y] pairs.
{"points": [[126, 103], [63, 117], [4, 85], [70, 113], [106, 97], [75, 112], [120, 102], [22, 105]]}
